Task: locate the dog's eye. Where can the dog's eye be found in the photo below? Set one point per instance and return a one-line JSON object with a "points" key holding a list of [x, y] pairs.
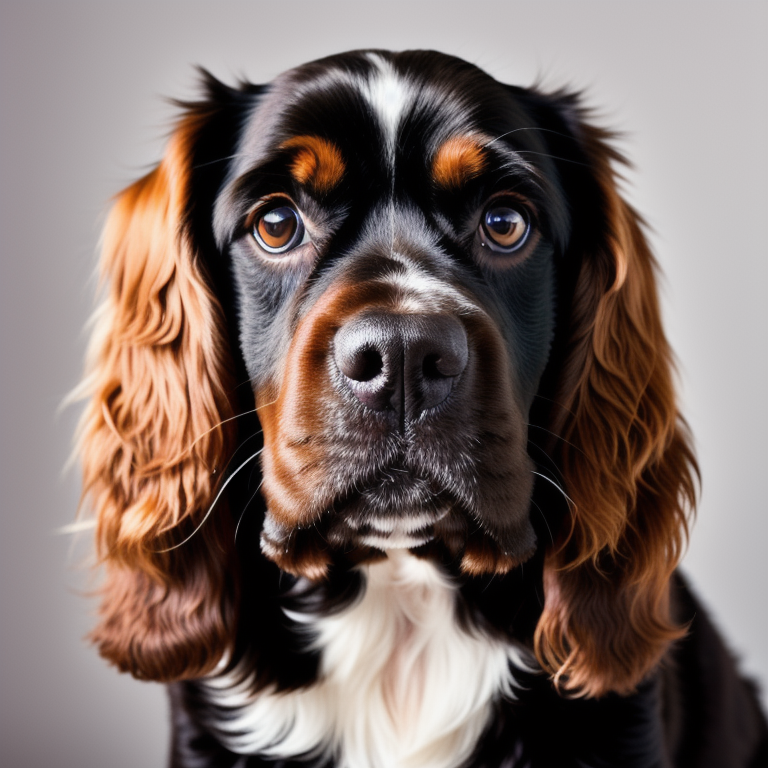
{"points": [[504, 229], [278, 229]]}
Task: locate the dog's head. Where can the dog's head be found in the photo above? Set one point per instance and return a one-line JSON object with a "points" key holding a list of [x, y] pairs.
{"points": [[440, 300]]}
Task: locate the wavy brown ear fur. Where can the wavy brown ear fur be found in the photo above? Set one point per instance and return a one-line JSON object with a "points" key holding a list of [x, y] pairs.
{"points": [[153, 441], [624, 452]]}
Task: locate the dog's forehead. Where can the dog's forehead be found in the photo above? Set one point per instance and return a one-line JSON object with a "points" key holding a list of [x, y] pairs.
{"points": [[379, 102]]}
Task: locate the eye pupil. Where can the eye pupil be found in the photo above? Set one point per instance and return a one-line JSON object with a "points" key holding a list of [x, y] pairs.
{"points": [[278, 229], [501, 224], [504, 229]]}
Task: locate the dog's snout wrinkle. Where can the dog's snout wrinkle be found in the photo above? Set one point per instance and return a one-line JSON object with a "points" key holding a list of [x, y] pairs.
{"points": [[406, 363]]}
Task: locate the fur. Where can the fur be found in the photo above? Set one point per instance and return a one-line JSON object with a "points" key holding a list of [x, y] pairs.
{"points": [[382, 437]]}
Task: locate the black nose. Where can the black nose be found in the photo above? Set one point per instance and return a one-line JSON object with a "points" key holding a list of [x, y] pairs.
{"points": [[403, 363]]}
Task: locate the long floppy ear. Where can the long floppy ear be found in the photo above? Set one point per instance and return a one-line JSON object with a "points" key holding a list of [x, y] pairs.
{"points": [[154, 439], [624, 451]]}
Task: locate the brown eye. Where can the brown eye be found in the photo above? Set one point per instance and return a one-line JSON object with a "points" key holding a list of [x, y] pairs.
{"points": [[504, 229], [279, 229]]}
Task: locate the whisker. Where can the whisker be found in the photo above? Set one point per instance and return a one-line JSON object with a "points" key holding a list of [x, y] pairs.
{"points": [[554, 402], [210, 509], [544, 458], [216, 426], [571, 502], [544, 518], [553, 157], [245, 508], [529, 128], [559, 437], [321, 534], [218, 160]]}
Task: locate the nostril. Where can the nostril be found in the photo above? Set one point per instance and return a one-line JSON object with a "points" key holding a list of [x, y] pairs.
{"points": [[363, 365], [440, 349], [431, 367], [441, 366], [364, 349], [450, 361]]}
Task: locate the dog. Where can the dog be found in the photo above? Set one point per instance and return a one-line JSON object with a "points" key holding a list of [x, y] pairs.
{"points": [[382, 438]]}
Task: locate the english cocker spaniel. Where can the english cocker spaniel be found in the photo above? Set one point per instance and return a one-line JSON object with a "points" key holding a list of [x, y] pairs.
{"points": [[382, 438]]}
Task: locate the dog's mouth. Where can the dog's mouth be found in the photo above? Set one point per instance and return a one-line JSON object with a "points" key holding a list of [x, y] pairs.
{"points": [[408, 530], [395, 508], [398, 509]]}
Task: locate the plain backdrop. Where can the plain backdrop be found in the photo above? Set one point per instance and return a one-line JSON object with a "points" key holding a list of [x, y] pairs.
{"points": [[82, 112]]}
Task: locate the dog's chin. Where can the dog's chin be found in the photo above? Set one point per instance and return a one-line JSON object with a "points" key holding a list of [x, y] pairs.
{"points": [[406, 530], [443, 533], [397, 539]]}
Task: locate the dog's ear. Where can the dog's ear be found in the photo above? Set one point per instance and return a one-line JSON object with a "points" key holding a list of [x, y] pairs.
{"points": [[624, 451], [154, 438]]}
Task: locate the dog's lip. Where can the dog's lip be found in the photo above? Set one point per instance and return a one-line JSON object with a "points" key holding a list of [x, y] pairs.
{"points": [[396, 541], [403, 530], [386, 525]]}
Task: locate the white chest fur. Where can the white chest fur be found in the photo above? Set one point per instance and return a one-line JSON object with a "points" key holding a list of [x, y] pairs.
{"points": [[401, 684]]}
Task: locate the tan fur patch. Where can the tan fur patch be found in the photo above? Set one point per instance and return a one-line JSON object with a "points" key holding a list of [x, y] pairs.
{"points": [[458, 160], [317, 162]]}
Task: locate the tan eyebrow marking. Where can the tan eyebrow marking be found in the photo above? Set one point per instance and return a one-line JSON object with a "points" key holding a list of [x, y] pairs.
{"points": [[317, 162], [458, 160]]}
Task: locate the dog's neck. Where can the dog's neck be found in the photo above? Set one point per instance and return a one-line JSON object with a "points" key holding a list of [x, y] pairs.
{"points": [[401, 683]]}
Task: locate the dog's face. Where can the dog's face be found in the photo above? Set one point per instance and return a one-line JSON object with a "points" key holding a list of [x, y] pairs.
{"points": [[394, 254], [435, 294]]}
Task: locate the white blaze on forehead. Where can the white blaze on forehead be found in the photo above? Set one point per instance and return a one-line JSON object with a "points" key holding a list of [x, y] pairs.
{"points": [[388, 94], [421, 292]]}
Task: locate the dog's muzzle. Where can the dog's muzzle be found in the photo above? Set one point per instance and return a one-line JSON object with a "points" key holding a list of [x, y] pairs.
{"points": [[395, 425]]}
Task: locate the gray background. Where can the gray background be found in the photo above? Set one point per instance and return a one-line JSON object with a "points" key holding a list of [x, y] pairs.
{"points": [[81, 114]]}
